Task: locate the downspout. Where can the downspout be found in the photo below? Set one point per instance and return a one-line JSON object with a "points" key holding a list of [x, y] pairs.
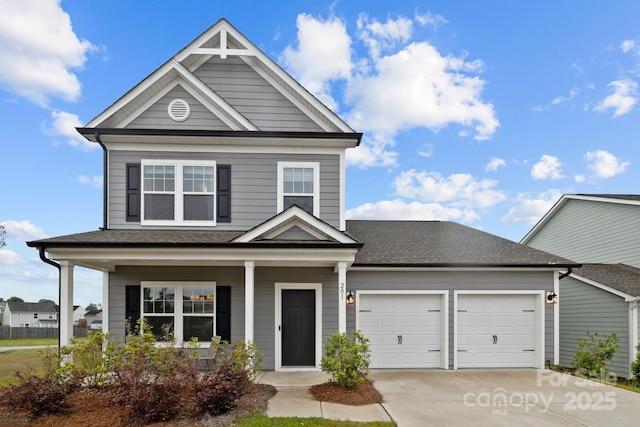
{"points": [[105, 180], [44, 258], [565, 274]]}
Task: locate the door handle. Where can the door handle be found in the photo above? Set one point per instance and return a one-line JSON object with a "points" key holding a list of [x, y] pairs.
{"points": [[495, 339], [399, 339]]}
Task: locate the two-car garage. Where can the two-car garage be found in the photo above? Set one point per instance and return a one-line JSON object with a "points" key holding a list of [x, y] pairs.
{"points": [[490, 329]]}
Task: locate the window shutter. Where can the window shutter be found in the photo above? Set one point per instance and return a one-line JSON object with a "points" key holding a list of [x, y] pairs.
{"points": [[223, 193], [132, 306], [133, 192]]}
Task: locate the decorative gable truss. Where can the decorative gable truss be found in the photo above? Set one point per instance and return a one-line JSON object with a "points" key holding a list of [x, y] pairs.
{"points": [[231, 83]]}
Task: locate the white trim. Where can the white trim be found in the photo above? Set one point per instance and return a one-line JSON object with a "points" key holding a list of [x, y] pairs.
{"points": [[540, 319], [249, 301], [342, 293], [66, 303], [105, 302], [606, 288], [633, 331], [316, 183], [216, 144], [460, 269], [178, 314], [444, 319], [278, 287], [178, 192], [556, 321], [343, 191]]}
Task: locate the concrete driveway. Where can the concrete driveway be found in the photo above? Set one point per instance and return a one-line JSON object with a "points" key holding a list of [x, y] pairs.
{"points": [[502, 397]]}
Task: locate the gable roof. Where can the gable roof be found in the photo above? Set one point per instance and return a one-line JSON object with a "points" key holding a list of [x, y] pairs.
{"points": [[221, 41], [619, 277], [34, 307], [442, 244], [626, 199]]}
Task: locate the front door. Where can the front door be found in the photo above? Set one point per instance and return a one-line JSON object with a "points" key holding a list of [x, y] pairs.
{"points": [[298, 327]]}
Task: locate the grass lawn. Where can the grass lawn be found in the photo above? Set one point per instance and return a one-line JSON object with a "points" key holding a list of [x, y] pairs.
{"points": [[28, 342], [18, 360], [258, 419]]}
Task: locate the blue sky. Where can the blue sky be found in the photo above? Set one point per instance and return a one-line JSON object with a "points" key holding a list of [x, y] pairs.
{"points": [[483, 113]]}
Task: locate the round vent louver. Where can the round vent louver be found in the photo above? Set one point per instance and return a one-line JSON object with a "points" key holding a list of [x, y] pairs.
{"points": [[179, 110]]}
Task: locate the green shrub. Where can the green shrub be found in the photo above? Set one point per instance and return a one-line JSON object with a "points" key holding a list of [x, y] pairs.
{"points": [[593, 354], [635, 368], [240, 356], [346, 360]]}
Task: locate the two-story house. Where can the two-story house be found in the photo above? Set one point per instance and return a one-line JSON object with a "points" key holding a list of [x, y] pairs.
{"points": [[30, 314], [602, 231], [224, 214]]}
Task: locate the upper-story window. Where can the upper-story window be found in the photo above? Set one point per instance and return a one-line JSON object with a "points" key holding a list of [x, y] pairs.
{"points": [[178, 192], [299, 184]]}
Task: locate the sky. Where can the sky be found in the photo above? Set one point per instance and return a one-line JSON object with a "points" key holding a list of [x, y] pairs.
{"points": [[478, 112]]}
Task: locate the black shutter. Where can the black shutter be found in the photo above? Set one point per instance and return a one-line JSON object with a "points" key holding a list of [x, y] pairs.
{"points": [[132, 306], [133, 192], [223, 312], [223, 193]]}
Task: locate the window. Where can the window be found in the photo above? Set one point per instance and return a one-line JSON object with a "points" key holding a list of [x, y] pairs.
{"points": [[298, 184], [178, 192], [185, 309], [35, 315]]}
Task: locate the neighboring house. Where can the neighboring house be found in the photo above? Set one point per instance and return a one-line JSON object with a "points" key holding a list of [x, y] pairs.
{"points": [[31, 315], [602, 231], [2, 304], [224, 214], [94, 319], [78, 314]]}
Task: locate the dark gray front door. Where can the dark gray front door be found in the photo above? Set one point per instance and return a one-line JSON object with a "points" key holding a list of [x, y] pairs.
{"points": [[298, 327]]}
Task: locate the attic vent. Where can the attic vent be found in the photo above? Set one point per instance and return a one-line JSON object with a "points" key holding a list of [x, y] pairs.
{"points": [[179, 110]]}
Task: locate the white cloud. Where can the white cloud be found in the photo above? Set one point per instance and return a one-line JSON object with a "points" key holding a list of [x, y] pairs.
{"points": [[23, 230], [549, 167], [379, 36], [560, 99], [372, 151], [621, 100], [426, 151], [628, 46], [531, 208], [94, 181], [431, 20], [39, 50], [494, 164], [401, 210], [579, 178], [605, 164], [9, 258], [320, 42], [457, 189], [64, 124]]}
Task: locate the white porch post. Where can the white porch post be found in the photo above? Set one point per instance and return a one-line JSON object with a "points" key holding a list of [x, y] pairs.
{"points": [[342, 293], [249, 267], [65, 322], [105, 301]]}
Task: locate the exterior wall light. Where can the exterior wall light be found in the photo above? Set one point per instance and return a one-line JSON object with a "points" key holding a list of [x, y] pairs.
{"points": [[552, 298], [350, 298]]}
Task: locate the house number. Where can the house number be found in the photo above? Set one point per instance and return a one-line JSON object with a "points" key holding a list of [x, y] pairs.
{"points": [[341, 291]]}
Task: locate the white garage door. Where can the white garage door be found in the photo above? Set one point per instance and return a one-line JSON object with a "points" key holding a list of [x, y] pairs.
{"points": [[496, 331], [405, 330]]}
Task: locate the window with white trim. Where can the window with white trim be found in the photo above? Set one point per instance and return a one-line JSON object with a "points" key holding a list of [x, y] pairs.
{"points": [[178, 192], [299, 184], [185, 310]]}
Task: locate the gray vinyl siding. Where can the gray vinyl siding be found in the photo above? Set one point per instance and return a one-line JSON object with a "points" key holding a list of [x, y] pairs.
{"points": [[157, 116], [450, 281], [253, 185], [246, 91], [593, 232], [586, 308], [264, 291]]}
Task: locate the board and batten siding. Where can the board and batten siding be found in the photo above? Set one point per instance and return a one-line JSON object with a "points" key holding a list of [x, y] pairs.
{"points": [[592, 232], [358, 280], [586, 308], [253, 185]]}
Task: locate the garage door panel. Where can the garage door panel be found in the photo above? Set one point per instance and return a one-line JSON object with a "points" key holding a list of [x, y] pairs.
{"points": [[404, 330], [496, 330]]}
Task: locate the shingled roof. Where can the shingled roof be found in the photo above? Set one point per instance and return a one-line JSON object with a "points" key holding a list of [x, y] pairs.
{"points": [[441, 243], [32, 307], [633, 197], [621, 277]]}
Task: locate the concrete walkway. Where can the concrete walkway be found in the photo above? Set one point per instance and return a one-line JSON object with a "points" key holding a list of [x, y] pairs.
{"points": [[294, 399], [30, 347]]}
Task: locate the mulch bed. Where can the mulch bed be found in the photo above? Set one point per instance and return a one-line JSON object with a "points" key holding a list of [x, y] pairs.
{"points": [[361, 394]]}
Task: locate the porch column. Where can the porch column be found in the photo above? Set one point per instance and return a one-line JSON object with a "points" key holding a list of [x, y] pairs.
{"points": [[65, 322], [249, 267], [342, 294], [105, 302]]}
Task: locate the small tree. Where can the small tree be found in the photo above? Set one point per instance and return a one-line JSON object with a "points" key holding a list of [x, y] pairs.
{"points": [[593, 354], [346, 360], [91, 307], [15, 299], [635, 368]]}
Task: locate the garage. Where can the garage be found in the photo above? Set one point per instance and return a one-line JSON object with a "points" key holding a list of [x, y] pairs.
{"points": [[404, 329], [498, 330]]}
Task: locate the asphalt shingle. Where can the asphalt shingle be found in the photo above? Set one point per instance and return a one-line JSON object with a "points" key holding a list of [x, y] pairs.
{"points": [[617, 276]]}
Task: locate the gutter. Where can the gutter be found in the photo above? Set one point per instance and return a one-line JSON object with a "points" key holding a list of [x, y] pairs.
{"points": [[44, 258], [105, 180]]}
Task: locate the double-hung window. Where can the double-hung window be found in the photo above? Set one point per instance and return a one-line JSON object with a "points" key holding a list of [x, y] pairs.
{"points": [[185, 310], [178, 192], [298, 184]]}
